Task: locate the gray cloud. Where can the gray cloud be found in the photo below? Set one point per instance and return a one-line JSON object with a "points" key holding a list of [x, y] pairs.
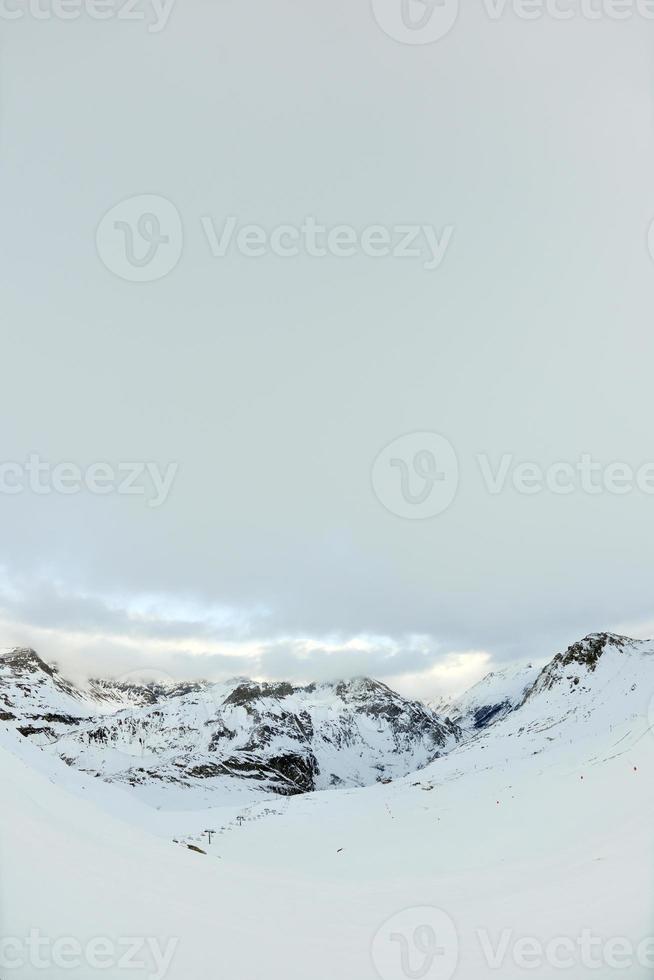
{"points": [[275, 383]]}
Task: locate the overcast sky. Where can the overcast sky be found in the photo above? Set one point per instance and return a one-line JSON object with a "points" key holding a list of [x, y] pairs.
{"points": [[275, 383]]}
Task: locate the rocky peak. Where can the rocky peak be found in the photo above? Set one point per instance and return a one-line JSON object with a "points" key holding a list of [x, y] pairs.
{"points": [[589, 650], [577, 662], [248, 691], [25, 660]]}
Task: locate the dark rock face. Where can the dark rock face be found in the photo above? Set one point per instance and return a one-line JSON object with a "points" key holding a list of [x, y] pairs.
{"points": [[247, 693], [290, 774], [483, 717], [588, 651], [28, 730]]}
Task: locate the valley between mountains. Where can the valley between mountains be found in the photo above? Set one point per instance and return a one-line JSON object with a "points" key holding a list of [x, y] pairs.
{"points": [[524, 807]]}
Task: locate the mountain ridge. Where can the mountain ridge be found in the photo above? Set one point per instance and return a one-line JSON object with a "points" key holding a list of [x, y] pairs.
{"points": [[203, 735], [179, 740]]}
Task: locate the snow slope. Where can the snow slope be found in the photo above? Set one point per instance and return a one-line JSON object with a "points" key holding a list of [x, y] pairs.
{"points": [[539, 825]]}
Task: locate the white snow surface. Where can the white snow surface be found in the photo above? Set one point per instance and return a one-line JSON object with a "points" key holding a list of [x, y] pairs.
{"points": [[540, 824]]}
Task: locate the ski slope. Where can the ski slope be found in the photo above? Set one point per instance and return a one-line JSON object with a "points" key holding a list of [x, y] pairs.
{"points": [[540, 825]]}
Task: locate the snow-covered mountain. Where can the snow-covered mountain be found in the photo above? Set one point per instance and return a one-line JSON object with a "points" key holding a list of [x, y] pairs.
{"points": [[594, 686], [597, 692], [33, 694], [204, 736], [579, 669], [574, 681], [180, 744], [491, 699], [533, 827], [32, 690]]}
